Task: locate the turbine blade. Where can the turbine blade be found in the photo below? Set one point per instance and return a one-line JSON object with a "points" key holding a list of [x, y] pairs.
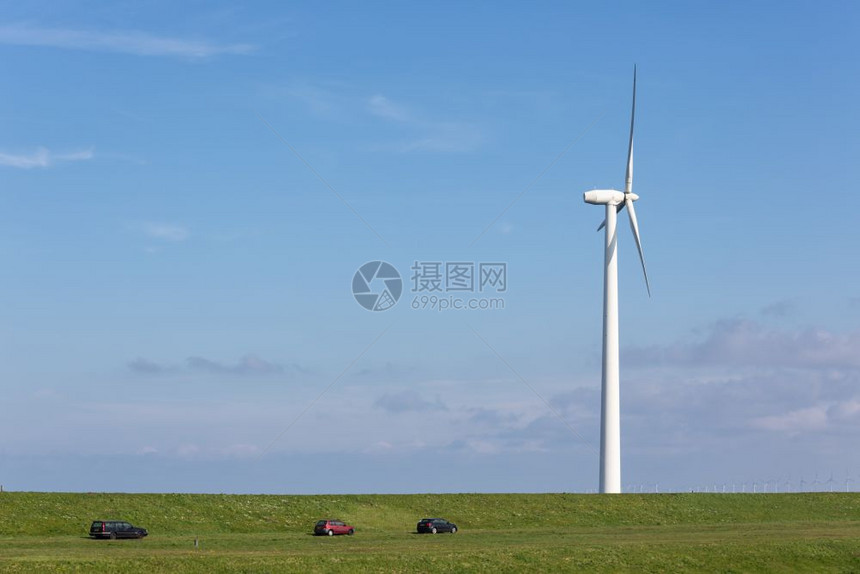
{"points": [[617, 210], [628, 184], [634, 225]]}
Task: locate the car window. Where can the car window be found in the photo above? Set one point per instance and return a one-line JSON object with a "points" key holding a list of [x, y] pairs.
{"points": [[321, 523]]}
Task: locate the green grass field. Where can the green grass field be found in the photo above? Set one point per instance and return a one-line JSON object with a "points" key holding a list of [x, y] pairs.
{"points": [[820, 532]]}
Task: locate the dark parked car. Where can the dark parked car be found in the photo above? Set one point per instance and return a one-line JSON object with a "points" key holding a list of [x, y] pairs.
{"points": [[332, 527], [114, 529], [434, 525]]}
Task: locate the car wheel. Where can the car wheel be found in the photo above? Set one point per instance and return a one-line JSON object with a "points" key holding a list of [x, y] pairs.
{"points": [[113, 535], [351, 532], [330, 532], [454, 530], [433, 530]]}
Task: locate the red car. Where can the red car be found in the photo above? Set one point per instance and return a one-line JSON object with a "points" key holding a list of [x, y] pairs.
{"points": [[332, 527]]}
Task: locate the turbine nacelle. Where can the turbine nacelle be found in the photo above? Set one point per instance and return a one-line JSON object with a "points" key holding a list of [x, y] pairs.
{"points": [[604, 197]]}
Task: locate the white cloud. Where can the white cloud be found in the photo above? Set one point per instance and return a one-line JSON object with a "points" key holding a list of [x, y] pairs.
{"points": [[75, 155], [322, 102], [240, 450], [47, 394], [811, 418], [147, 367], [419, 132], [383, 107], [42, 158], [847, 409], [188, 450], [739, 382], [448, 137], [407, 401], [166, 231], [478, 446], [778, 309], [250, 365], [247, 365], [815, 418], [126, 42], [380, 446], [434, 136], [743, 342]]}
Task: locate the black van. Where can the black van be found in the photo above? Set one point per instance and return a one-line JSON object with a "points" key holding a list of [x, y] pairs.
{"points": [[114, 529]]}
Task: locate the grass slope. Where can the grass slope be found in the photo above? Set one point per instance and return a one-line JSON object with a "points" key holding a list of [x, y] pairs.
{"points": [[815, 532]]}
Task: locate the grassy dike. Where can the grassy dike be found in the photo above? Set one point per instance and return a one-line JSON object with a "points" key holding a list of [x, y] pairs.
{"points": [[811, 532]]}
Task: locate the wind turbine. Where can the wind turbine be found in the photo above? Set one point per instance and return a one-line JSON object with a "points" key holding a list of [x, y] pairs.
{"points": [[610, 420]]}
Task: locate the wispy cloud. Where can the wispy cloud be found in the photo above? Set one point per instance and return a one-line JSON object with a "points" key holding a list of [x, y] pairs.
{"points": [[381, 106], [146, 367], [743, 342], [493, 417], [126, 42], [248, 365], [447, 137], [740, 380], [778, 309], [320, 101], [841, 414], [42, 158], [433, 136], [419, 130], [408, 401], [806, 419], [166, 231]]}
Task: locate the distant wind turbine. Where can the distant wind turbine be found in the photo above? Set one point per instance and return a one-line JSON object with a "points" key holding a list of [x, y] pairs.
{"points": [[610, 425]]}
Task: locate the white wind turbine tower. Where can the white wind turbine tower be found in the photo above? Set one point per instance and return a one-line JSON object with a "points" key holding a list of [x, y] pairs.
{"points": [[610, 425]]}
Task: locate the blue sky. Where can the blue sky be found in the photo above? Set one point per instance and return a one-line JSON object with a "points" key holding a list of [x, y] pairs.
{"points": [[188, 190]]}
